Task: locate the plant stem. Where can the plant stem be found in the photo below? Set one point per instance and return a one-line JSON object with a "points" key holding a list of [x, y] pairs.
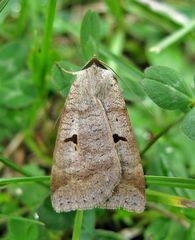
{"points": [[151, 195], [18, 169], [13, 166], [77, 225], [46, 43], [41, 70], [159, 135], [173, 38], [188, 183], [5, 181]]}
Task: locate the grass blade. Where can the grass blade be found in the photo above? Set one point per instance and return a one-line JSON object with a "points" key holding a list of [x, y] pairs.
{"points": [[6, 181], [3, 3], [173, 38], [188, 183], [77, 225], [14, 167], [168, 199]]}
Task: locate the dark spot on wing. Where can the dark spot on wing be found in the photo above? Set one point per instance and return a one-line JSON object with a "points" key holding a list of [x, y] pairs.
{"points": [[117, 138], [72, 139]]}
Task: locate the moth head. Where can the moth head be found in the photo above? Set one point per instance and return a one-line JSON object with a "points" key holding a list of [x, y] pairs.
{"points": [[94, 61]]}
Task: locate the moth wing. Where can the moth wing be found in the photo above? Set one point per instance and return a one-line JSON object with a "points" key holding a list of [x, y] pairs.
{"points": [[86, 167], [129, 193]]}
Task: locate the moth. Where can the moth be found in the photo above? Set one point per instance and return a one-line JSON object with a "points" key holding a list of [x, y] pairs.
{"points": [[96, 163]]}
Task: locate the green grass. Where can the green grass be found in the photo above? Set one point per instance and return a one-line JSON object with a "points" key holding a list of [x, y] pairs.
{"points": [[173, 38], [36, 37], [174, 182]]}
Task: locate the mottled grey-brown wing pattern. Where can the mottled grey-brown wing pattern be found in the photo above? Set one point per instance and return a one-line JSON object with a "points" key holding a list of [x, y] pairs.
{"points": [[86, 167], [96, 162]]}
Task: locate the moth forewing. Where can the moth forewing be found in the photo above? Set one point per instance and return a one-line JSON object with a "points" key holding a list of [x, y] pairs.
{"points": [[94, 143], [129, 193], [86, 167]]}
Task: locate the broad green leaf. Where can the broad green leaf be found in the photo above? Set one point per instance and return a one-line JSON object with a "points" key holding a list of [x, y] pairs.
{"points": [[12, 61], [90, 35], [175, 231], [191, 231], [53, 220], [7, 204], [17, 91], [169, 230], [16, 86], [22, 228], [13, 121], [167, 76], [60, 80], [188, 124], [166, 57], [152, 231], [31, 195], [166, 88]]}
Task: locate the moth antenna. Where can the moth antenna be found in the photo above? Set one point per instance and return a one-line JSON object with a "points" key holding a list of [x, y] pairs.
{"points": [[66, 71], [95, 61], [99, 63]]}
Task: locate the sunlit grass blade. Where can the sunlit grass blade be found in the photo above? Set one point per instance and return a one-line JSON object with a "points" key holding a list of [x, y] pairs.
{"points": [[28, 220], [6, 181], [152, 196], [173, 38], [188, 183], [167, 199], [158, 18], [166, 10], [150, 180], [77, 225]]}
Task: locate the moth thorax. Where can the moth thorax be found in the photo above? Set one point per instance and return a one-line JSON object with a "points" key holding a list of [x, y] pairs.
{"points": [[94, 82], [100, 81]]}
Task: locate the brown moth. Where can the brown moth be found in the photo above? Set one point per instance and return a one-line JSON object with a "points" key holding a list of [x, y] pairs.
{"points": [[96, 162]]}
